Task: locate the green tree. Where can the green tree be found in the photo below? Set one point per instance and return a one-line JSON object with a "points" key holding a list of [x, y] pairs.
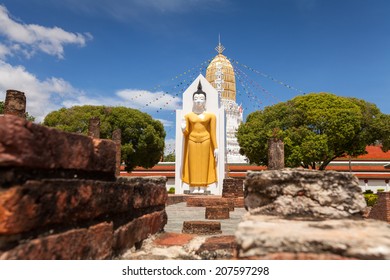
{"points": [[1, 107], [170, 157], [316, 128], [142, 136]]}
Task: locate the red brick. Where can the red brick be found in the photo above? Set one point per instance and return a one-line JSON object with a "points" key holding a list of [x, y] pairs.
{"points": [[239, 202], [233, 188], [148, 191], [90, 243], [126, 236], [37, 204], [214, 243], [15, 103], [176, 198], [381, 209], [29, 145], [217, 212], [202, 227], [173, 239], [204, 201]]}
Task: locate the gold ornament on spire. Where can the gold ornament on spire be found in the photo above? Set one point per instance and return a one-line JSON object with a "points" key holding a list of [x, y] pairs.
{"points": [[219, 48]]}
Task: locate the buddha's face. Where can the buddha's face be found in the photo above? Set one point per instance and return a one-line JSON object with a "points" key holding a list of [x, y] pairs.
{"points": [[199, 101]]}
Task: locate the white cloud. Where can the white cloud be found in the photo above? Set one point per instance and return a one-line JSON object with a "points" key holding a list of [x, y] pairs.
{"points": [[142, 99], [169, 145], [42, 96], [4, 51], [166, 123], [53, 93], [29, 38]]}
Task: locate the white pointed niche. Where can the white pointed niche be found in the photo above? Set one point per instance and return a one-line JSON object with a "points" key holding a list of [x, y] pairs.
{"points": [[213, 105]]}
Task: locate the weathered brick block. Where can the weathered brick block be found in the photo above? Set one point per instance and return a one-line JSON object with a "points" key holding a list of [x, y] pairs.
{"points": [[233, 188], [218, 247], [15, 103], [176, 198], [149, 191], [28, 145], [173, 239], [126, 236], [197, 201], [94, 242], [36, 204], [217, 212], [381, 210], [202, 227], [239, 202]]}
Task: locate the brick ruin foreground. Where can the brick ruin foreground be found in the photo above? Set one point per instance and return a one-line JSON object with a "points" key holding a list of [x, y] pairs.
{"points": [[60, 199]]}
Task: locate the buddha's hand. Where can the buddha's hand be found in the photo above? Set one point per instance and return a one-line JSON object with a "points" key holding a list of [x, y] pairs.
{"points": [[183, 124], [216, 154]]}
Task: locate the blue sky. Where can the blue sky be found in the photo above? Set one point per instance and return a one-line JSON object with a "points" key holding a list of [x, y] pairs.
{"points": [[143, 52]]}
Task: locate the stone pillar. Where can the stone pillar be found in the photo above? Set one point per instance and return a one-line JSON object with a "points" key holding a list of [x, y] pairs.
{"points": [[94, 127], [275, 154], [117, 138], [15, 103]]}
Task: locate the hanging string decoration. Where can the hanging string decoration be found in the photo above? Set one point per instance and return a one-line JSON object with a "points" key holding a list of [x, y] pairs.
{"points": [[266, 76]]}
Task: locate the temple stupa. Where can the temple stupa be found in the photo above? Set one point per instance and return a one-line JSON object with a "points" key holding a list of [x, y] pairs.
{"points": [[220, 73]]}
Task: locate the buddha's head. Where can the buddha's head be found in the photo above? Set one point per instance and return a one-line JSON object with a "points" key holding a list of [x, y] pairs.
{"points": [[199, 99]]}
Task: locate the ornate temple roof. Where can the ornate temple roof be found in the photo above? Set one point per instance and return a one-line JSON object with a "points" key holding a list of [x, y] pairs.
{"points": [[220, 74]]}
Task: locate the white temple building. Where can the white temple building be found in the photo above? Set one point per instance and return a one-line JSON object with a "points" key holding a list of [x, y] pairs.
{"points": [[220, 73]]}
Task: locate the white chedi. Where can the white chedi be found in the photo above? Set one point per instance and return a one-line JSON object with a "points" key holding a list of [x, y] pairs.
{"points": [[234, 117]]}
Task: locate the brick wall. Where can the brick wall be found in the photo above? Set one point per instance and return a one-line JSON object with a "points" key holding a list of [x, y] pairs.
{"points": [[381, 209], [233, 188], [60, 199]]}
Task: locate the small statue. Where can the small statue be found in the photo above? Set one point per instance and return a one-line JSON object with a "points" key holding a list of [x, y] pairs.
{"points": [[200, 144]]}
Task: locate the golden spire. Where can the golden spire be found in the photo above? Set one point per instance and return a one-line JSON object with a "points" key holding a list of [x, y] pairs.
{"points": [[220, 74]]}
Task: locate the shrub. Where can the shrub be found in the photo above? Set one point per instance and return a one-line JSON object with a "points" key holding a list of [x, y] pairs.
{"points": [[368, 191], [380, 190], [171, 190], [370, 198]]}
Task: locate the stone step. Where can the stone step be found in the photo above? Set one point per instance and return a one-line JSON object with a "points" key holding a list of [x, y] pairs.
{"points": [[196, 201], [217, 213], [202, 227]]}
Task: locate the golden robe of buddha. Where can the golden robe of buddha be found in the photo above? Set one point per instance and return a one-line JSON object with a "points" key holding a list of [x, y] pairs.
{"points": [[199, 167]]}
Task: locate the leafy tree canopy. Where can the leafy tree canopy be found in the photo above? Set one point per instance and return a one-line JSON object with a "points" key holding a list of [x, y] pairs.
{"points": [[1, 107], [170, 157], [142, 136], [316, 128]]}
